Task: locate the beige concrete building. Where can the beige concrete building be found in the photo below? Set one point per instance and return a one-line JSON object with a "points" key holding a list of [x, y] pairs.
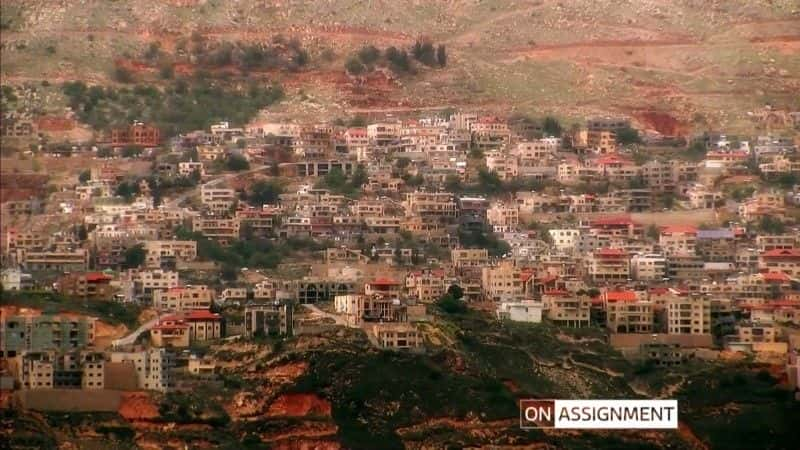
{"points": [[503, 218], [625, 313], [608, 265], [396, 336], [222, 230], [566, 308], [183, 298], [688, 315], [502, 282], [469, 257], [177, 251]]}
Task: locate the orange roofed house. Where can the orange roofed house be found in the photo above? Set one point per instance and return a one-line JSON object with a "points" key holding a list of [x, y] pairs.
{"points": [[88, 286], [626, 313], [780, 260], [180, 330]]}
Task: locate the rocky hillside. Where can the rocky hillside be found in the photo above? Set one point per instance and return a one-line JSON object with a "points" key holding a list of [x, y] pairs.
{"points": [[701, 63], [335, 391]]}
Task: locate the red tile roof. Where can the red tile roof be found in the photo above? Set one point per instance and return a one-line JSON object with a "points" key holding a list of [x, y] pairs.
{"points": [[97, 276], [610, 252], [776, 276], [383, 281], [613, 221], [620, 296], [782, 253], [686, 229]]}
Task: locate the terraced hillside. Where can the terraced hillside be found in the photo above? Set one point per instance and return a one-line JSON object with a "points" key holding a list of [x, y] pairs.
{"points": [[699, 62]]}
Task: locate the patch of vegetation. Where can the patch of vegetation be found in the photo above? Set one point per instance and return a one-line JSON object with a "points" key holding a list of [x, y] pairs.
{"points": [[53, 303], [184, 407], [259, 252], [377, 392], [178, 108], [483, 239], [338, 183], [396, 59], [740, 407], [264, 192]]}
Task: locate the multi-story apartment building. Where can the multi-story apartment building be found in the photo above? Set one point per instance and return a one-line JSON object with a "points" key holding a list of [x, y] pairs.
{"points": [[180, 299], [431, 205], [224, 231], [770, 203], [159, 252], [602, 142], [45, 332], [473, 257], [678, 240], [567, 308], [503, 218], [55, 260], [766, 242], [61, 370], [502, 282], [626, 313], [146, 282], [608, 265], [268, 318], [648, 267], [153, 367], [490, 132], [685, 267], [506, 166], [396, 336], [218, 200], [87, 286], [780, 260], [566, 239], [189, 168], [689, 314]]}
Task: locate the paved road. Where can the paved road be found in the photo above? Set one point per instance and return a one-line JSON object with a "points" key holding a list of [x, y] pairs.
{"points": [[176, 201], [316, 311], [131, 338]]}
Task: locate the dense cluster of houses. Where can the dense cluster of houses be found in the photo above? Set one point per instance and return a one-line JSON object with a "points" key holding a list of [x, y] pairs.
{"points": [[665, 292]]}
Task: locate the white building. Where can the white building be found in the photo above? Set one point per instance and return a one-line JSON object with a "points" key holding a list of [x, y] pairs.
{"points": [[153, 367], [648, 267], [524, 311]]}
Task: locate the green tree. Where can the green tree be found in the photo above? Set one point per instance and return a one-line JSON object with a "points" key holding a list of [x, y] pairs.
{"points": [[229, 272], [628, 136], [451, 305], [359, 178], [452, 183], [771, 225], [237, 163], [552, 127], [335, 179], [652, 232], [354, 66], [122, 75], [85, 176], [441, 55], [265, 192], [134, 257], [131, 151], [369, 54], [455, 291]]}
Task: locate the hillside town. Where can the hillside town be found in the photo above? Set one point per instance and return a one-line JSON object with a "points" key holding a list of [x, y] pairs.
{"points": [[280, 229]]}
